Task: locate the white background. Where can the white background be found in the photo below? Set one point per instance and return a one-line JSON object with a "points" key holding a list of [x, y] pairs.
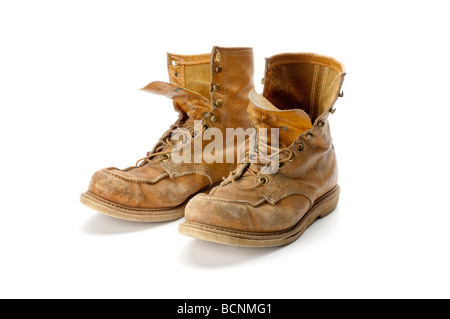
{"points": [[69, 100]]}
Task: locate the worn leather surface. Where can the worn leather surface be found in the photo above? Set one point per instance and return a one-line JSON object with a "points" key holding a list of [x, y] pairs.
{"points": [[236, 81], [306, 81], [192, 72], [186, 102], [158, 184], [299, 91], [290, 123]]}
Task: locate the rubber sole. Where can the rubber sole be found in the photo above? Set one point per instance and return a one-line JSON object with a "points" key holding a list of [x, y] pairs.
{"points": [[127, 213], [321, 208], [115, 210]]}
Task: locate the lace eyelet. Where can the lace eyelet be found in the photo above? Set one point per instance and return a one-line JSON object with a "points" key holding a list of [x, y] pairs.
{"points": [[263, 180], [205, 127], [166, 157], [300, 147]]}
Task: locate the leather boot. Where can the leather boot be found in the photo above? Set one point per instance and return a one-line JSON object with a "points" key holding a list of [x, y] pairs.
{"points": [[208, 89], [257, 209]]}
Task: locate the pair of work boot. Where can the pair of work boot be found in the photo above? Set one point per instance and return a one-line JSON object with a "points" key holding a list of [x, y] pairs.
{"points": [[265, 200]]}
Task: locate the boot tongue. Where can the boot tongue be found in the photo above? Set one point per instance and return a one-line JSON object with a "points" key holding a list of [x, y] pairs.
{"points": [[290, 123], [187, 102]]}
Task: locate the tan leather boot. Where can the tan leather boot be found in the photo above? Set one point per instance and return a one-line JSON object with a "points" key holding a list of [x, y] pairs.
{"points": [[211, 88], [254, 209]]}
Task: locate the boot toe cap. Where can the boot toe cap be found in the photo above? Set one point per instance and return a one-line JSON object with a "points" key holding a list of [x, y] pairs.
{"points": [[217, 212], [111, 187]]}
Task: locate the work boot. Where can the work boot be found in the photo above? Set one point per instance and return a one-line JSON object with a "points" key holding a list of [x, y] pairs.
{"points": [[209, 91], [261, 203]]}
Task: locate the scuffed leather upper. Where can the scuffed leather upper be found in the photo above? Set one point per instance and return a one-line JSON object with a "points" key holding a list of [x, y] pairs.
{"points": [[300, 84], [166, 184]]}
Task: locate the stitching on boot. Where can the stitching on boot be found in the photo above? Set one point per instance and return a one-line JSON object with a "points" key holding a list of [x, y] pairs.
{"points": [[139, 181], [138, 210], [293, 190], [182, 169], [319, 203], [324, 80], [213, 199], [313, 90]]}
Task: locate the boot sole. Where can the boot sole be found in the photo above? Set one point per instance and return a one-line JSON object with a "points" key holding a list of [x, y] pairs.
{"points": [[115, 210], [321, 208]]}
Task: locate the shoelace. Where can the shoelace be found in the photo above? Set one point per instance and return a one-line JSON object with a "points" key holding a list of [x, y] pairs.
{"points": [[254, 168], [166, 142]]}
